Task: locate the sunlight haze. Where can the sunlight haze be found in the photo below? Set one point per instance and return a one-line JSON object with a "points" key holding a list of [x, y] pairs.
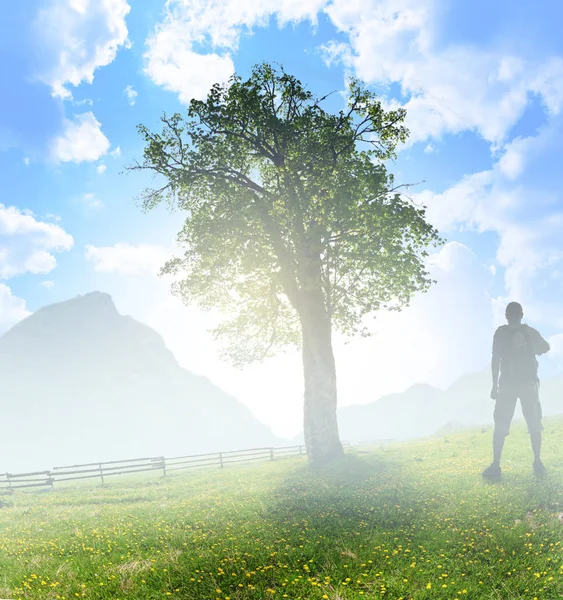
{"points": [[484, 150], [281, 288]]}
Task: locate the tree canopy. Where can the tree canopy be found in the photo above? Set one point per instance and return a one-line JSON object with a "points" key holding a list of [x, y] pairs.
{"points": [[283, 197]]}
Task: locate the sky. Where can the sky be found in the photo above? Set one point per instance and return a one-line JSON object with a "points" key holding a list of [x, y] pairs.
{"points": [[482, 83]]}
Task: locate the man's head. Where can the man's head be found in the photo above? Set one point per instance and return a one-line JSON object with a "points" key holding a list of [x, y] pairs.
{"points": [[514, 312]]}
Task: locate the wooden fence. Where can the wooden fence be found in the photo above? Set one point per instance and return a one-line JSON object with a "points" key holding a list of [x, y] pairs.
{"points": [[103, 470]]}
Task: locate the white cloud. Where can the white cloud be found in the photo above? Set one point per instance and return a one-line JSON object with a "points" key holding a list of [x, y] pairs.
{"points": [[396, 41], [126, 259], [14, 221], [465, 202], [519, 152], [556, 343], [26, 161], [131, 94], [91, 201], [388, 41], [48, 284], [187, 73], [51, 217], [115, 153], [548, 83], [171, 58], [101, 169], [532, 257], [28, 244], [529, 243], [335, 52], [512, 162], [82, 140], [12, 309], [77, 37]]}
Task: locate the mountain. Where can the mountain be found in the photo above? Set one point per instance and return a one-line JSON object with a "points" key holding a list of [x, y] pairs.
{"points": [[423, 410], [399, 416], [81, 383]]}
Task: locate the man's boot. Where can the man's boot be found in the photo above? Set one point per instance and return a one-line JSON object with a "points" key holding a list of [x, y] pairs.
{"points": [[493, 472], [539, 467]]}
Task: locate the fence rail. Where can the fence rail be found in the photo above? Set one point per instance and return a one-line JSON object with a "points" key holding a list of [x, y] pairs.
{"points": [[100, 470]]}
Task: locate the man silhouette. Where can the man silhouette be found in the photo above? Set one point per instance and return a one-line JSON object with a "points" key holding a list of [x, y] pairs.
{"points": [[515, 347]]}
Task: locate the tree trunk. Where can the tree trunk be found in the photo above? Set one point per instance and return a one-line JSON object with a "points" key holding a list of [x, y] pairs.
{"points": [[320, 423]]}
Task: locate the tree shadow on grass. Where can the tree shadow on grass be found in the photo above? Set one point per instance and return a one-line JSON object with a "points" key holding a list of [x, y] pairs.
{"points": [[335, 489], [327, 513], [351, 471]]}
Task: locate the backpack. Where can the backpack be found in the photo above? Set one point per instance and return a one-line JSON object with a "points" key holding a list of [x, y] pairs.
{"points": [[519, 361]]}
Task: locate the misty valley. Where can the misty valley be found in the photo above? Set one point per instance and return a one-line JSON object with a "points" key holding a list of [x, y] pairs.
{"points": [[81, 383]]}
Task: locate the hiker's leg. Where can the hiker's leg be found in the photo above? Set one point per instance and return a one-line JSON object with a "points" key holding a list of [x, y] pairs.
{"points": [[504, 411], [535, 438], [498, 445], [532, 411]]}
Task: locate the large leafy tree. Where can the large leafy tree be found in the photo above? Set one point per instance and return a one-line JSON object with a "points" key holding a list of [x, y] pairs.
{"points": [[293, 227]]}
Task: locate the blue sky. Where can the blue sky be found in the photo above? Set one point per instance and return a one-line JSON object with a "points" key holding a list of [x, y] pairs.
{"points": [[483, 86]]}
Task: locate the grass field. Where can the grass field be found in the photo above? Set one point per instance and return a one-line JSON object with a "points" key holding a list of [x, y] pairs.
{"points": [[403, 521]]}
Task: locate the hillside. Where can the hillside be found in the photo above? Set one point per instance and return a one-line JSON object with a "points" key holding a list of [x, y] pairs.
{"points": [[411, 520], [79, 383], [423, 410]]}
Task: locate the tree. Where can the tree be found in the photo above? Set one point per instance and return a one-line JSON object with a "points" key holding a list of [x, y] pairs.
{"points": [[293, 226]]}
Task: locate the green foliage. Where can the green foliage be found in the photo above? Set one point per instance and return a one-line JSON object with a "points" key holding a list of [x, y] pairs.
{"points": [[415, 520], [283, 198]]}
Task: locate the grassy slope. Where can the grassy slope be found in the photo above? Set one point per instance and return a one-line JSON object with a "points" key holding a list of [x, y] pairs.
{"points": [[406, 521]]}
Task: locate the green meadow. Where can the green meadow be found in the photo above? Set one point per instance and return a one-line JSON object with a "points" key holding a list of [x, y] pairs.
{"points": [[402, 521]]}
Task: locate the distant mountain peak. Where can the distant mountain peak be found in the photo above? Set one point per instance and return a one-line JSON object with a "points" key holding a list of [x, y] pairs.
{"points": [[88, 311], [94, 297], [94, 302], [79, 382]]}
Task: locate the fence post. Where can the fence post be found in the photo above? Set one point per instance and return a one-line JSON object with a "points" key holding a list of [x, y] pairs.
{"points": [[220, 460], [8, 475], [271, 454], [300, 450], [51, 480], [101, 472], [164, 466]]}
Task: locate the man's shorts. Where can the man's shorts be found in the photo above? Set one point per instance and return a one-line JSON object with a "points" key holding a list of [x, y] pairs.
{"points": [[506, 404]]}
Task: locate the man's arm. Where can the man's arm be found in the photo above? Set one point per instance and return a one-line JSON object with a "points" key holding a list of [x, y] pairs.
{"points": [[540, 345], [495, 363]]}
